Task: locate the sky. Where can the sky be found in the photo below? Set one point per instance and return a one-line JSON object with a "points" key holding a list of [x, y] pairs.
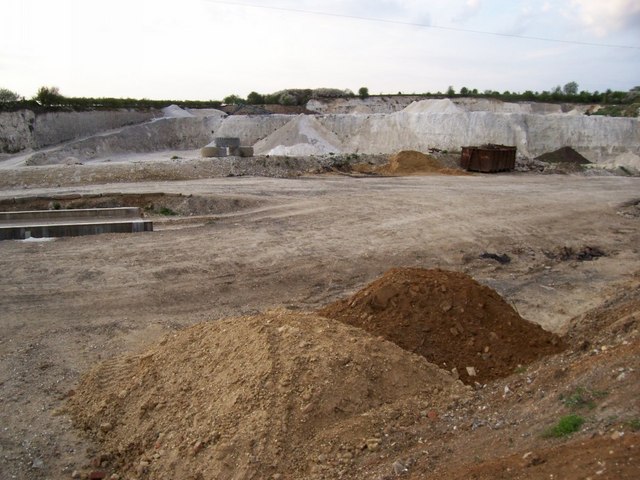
{"points": [[208, 49]]}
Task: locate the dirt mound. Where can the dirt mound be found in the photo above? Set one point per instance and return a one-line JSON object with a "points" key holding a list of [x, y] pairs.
{"points": [[448, 318], [279, 395], [564, 155], [410, 162]]}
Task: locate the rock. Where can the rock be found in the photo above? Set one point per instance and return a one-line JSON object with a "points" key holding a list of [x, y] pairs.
{"points": [[142, 467], [471, 371], [106, 427], [617, 435], [37, 463], [502, 259], [399, 468], [75, 474], [531, 459], [373, 443], [197, 447]]}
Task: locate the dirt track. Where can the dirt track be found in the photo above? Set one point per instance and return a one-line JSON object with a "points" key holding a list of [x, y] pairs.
{"points": [[70, 302]]}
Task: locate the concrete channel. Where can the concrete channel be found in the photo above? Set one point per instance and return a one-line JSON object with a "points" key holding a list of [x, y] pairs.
{"points": [[72, 222]]}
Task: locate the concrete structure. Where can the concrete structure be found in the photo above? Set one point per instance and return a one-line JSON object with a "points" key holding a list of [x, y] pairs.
{"points": [[225, 146], [71, 223]]}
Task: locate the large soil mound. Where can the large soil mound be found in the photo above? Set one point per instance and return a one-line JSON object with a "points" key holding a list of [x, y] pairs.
{"points": [[448, 318], [279, 395]]}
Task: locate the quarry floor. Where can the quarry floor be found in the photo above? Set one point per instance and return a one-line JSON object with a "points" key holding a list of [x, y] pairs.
{"points": [[299, 243]]}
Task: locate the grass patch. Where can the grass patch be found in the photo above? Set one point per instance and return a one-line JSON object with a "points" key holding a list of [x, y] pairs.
{"points": [[565, 426], [634, 424], [582, 398], [167, 211]]}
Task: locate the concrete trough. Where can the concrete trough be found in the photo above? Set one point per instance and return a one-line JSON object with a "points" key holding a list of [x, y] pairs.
{"points": [[71, 223], [115, 212]]}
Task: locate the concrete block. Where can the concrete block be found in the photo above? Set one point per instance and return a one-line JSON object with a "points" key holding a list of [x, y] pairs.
{"points": [[245, 151], [231, 142], [209, 151]]}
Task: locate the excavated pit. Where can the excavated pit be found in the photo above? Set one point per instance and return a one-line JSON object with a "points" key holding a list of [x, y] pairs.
{"points": [[160, 204]]}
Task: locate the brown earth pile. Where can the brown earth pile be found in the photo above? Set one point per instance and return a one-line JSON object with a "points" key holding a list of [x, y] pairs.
{"points": [[564, 155], [448, 318], [279, 395], [410, 162]]}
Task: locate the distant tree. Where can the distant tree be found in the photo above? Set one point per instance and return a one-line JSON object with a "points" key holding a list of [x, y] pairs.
{"points": [[48, 96], [570, 88], [464, 91], [234, 100], [451, 91], [363, 92], [254, 98], [633, 94], [7, 96]]}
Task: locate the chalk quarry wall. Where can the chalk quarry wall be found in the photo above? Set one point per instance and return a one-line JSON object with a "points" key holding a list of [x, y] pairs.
{"points": [[419, 126], [533, 134], [25, 129], [161, 134]]}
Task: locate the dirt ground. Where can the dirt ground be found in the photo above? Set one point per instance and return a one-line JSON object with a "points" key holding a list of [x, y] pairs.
{"points": [[250, 244]]}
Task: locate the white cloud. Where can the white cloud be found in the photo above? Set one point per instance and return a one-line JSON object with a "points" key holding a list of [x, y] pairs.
{"points": [[607, 16]]}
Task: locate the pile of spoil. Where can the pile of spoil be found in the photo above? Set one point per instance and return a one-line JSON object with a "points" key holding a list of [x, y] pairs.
{"points": [[278, 395], [448, 318], [564, 155], [410, 162]]}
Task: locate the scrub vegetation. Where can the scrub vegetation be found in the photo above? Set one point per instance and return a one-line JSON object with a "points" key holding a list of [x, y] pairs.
{"points": [[49, 98]]}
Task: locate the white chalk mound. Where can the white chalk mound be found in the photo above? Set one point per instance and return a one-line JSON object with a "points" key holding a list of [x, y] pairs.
{"points": [[628, 160], [174, 111], [443, 105], [303, 135]]}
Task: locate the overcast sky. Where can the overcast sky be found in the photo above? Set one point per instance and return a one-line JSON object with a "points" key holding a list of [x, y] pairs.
{"points": [[206, 49]]}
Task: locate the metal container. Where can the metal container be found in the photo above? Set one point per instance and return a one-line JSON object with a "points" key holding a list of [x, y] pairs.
{"points": [[488, 158]]}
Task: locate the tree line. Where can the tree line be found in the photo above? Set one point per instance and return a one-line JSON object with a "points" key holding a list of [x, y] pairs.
{"points": [[50, 98]]}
